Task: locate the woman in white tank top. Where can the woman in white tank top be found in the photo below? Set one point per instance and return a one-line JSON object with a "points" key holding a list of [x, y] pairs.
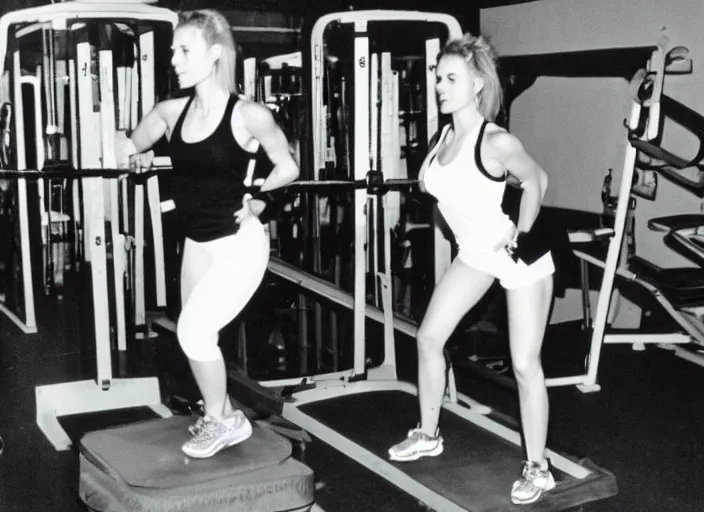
{"points": [[466, 172]]}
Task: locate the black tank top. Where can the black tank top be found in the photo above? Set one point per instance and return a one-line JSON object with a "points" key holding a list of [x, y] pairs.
{"points": [[208, 179]]}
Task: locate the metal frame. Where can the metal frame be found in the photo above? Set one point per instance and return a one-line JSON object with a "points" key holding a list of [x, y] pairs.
{"points": [[78, 10], [293, 60], [144, 66], [104, 393], [614, 264], [28, 324], [360, 19]]}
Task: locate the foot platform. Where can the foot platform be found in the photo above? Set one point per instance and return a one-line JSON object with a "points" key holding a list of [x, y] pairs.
{"points": [[140, 467], [475, 472]]}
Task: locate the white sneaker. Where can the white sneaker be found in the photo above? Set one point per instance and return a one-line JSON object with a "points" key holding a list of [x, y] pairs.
{"points": [[415, 446], [535, 480], [215, 434], [200, 422]]}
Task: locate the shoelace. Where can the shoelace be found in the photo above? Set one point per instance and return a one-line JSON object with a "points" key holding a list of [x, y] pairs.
{"points": [[414, 436], [211, 429], [198, 426], [200, 422], [531, 471], [204, 423]]}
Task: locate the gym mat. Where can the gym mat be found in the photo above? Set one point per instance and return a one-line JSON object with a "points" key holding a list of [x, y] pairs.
{"points": [[476, 469], [141, 467]]}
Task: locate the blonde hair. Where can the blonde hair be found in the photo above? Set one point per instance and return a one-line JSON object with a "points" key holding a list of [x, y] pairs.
{"points": [[478, 53], [216, 30]]}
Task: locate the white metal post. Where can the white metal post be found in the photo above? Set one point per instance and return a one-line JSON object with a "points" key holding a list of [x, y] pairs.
{"points": [[361, 166]]}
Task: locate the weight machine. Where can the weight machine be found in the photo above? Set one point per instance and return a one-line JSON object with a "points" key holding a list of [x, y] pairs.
{"points": [[102, 99], [678, 291]]}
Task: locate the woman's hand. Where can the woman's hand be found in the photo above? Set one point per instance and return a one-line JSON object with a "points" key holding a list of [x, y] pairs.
{"points": [[141, 162], [124, 148], [250, 208], [127, 157], [508, 241]]}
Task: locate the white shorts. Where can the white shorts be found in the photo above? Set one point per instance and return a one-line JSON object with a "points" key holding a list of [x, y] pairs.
{"points": [[510, 274]]}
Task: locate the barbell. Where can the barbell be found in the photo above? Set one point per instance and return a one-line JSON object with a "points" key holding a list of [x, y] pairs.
{"points": [[374, 183]]}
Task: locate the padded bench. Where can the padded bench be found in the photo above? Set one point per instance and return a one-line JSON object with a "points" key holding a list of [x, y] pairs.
{"points": [[141, 468]]}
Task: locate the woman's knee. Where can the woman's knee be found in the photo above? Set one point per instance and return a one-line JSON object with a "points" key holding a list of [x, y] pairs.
{"points": [[196, 342], [527, 368], [430, 342]]}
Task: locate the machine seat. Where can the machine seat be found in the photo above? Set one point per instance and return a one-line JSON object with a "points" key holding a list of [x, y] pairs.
{"points": [[682, 286], [672, 222], [686, 242]]}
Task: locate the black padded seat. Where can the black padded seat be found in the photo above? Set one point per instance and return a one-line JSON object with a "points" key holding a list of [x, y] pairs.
{"points": [[682, 286], [690, 247], [671, 222]]}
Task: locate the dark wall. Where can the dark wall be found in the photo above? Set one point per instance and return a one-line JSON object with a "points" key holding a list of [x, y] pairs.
{"points": [[13, 5]]}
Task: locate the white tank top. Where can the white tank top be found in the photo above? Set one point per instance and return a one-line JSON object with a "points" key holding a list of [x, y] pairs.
{"points": [[469, 198]]}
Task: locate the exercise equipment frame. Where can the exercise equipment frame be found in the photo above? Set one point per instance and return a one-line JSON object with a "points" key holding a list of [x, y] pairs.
{"points": [[104, 392]]}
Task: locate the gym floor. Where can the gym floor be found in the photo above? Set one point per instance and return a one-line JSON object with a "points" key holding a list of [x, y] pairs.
{"points": [[645, 425]]}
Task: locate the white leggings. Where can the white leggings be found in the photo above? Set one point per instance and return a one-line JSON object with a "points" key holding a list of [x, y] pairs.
{"points": [[218, 279]]}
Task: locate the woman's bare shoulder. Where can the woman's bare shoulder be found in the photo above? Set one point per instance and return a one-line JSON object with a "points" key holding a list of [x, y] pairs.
{"points": [[171, 109]]}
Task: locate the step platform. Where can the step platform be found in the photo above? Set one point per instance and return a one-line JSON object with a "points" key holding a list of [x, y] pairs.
{"points": [[476, 469], [140, 467]]}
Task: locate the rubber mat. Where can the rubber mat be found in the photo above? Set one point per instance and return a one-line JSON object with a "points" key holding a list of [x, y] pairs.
{"points": [[140, 467], [477, 468]]}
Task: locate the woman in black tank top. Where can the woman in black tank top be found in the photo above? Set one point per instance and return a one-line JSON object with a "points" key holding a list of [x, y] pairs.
{"points": [[213, 136]]}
